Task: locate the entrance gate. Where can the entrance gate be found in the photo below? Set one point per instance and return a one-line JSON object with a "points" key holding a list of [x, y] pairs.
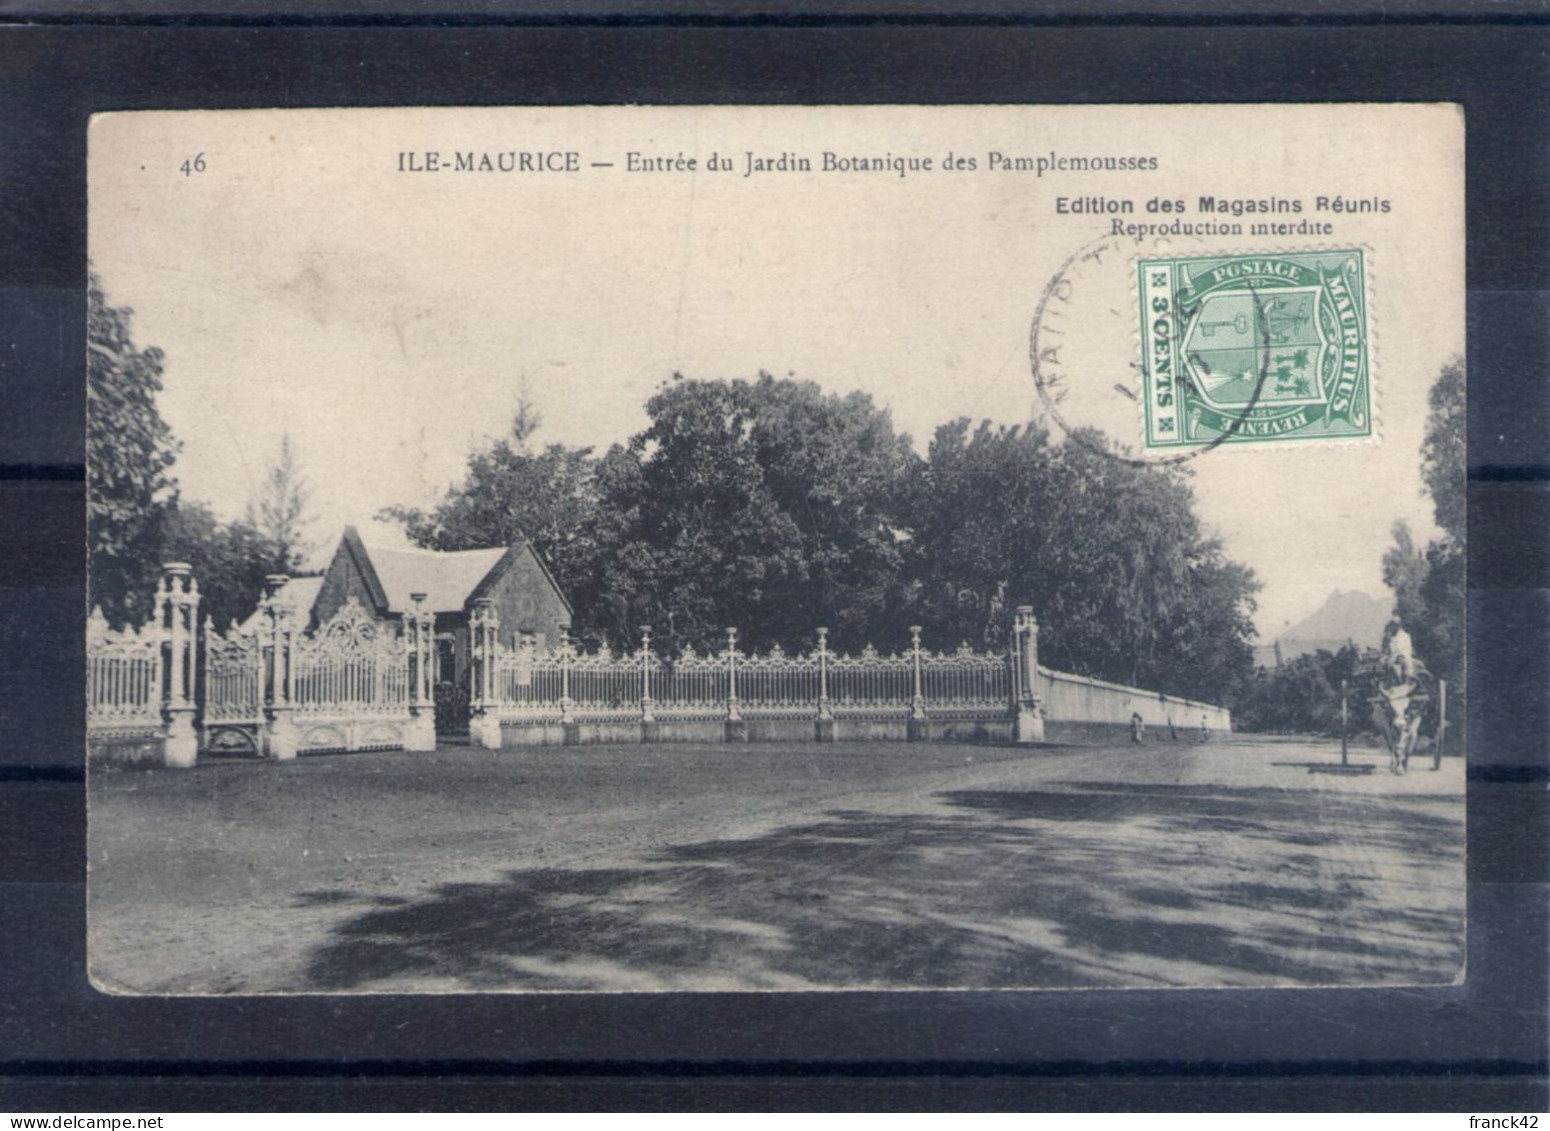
{"points": [[353, 683]]}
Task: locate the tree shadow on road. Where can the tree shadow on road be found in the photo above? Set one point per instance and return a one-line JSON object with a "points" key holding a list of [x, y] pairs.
{"points": [[1085, 884]]}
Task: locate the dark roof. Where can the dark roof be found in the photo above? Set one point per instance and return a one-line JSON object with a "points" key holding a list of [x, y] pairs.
{"points": [[449, 579]]}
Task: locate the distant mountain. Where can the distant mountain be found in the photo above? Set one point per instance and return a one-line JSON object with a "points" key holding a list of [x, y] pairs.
{"points": [[1345, 616]]}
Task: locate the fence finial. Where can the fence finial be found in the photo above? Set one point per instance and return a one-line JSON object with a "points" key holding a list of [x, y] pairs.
{"points": [[917, 725], [736, 731], [1025, 654], [647, 713]]}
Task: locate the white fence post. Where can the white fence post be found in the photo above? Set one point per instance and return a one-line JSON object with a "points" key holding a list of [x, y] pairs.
{"points": [[1025, 661], [823, 726], [567, 704], [279, 740], [918, 728], [648, 716], [736, 728]]}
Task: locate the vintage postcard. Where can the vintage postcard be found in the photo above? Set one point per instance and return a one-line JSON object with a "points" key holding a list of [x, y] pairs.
{"points": [[710, 548]]}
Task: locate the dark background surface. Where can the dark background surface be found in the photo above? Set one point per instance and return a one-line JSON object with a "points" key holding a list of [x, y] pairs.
{"points": [[63, 1046]]}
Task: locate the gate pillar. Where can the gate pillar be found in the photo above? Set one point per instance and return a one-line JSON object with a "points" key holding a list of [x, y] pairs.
{"points": [[279, 739], [484, 724], [1025, 676], [918, 729], [177, 615], [419, 642]]}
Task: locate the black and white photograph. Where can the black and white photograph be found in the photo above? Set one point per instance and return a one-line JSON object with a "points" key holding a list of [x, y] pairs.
{"points": [[776, 548]]}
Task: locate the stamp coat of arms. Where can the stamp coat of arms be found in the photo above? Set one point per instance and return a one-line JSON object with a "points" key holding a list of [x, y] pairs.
{"points": [[1255, 348]]}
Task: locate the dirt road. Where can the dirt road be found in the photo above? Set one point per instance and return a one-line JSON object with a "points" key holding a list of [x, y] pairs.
{"points": [[778, 867]]}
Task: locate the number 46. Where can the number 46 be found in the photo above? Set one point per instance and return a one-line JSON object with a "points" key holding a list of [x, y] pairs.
{"points": [[194, 164]]}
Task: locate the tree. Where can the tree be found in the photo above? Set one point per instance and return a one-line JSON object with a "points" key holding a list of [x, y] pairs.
{"points": [[1109, 554], [230, 560], [775, 507], [975, 516], [1428, 584], [1443, 466], [129, 454], [279, 512], [1303, 696], [1444, 470], [766, 504], [1404, 572], [514, 490]]}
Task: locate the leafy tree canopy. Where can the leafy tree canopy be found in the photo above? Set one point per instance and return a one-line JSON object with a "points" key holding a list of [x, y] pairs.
{"points": [[129, 455], [1303, 696], [515, 490], [775, 507], [766, 504], [1443, 455], [230, 560], [1428, 584], [1109, 554], [136, 516]]}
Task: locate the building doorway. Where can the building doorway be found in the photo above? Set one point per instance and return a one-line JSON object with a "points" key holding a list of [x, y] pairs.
{"points": [[451, 689]]}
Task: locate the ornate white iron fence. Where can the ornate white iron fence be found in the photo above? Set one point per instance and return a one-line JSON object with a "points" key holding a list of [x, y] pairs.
{"points": [[354, 664], [604, 687], [692, 687], [123, 680], [564, 686], [778, 686], [871, 685], [965, 683], [357, 683], [234, 669], [140, 682], [347, 684], [529, 685]]}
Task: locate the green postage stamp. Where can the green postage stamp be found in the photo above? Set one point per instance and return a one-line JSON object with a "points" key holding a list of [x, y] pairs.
{"points": [[1259, 348]]}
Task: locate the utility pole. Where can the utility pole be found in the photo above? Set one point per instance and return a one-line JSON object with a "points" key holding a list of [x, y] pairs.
{"points": [[1442, 722], [1345, 717]]}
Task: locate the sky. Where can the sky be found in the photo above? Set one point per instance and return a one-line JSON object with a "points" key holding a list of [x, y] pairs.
{"points": [[308, 280]]}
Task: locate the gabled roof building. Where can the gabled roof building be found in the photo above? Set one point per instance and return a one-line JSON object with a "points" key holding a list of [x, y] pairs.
{"points": [[384, 581]]}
